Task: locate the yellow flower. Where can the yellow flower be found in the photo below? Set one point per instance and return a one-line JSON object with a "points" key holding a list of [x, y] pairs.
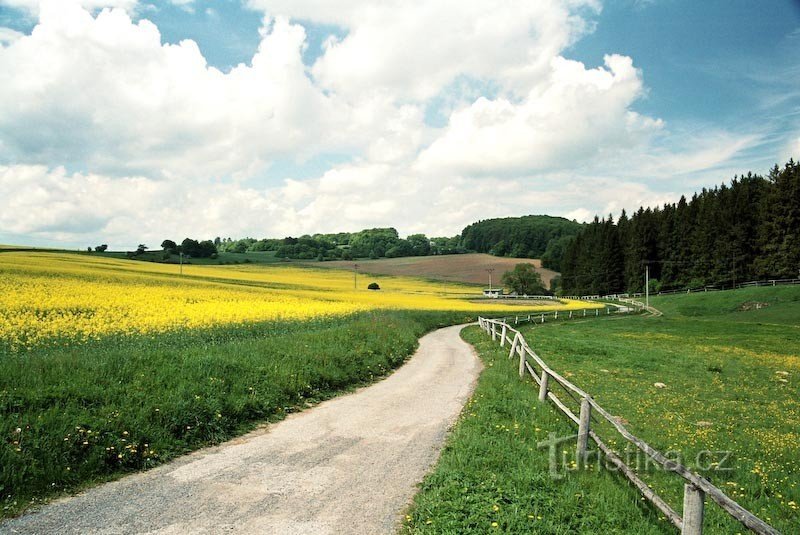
{"points": [[58, 298]]}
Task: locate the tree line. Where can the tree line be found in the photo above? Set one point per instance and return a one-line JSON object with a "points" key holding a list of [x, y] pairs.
{"points": [[190, 247], [532, 236], [368, 243], [749, 229]]}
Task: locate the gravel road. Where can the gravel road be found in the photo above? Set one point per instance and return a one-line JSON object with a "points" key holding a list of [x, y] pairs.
{"points": [[348, 465]]}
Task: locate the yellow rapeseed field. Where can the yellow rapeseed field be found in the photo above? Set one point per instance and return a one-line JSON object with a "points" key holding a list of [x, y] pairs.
{"points": [[69, 298]]}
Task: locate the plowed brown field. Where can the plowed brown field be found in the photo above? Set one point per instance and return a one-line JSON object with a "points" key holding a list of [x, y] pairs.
{"points": [[470, 268]]}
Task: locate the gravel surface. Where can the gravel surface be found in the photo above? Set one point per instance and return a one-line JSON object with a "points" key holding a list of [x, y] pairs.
{"points": [[348, 465]]}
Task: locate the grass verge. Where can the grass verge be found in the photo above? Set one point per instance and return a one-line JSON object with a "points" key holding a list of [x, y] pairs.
{"points": [[729, 410], [492, 476], [72, 416]]}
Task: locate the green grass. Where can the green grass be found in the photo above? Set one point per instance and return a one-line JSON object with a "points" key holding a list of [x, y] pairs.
{"points": [[70, 417], [492, 476], [722, 394]]}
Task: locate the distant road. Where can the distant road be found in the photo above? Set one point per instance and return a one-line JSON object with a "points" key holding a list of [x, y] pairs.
{"points": [[469, 268], [348, 465]]}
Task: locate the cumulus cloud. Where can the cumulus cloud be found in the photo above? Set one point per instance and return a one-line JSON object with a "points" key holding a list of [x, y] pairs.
{"points": [[567, 118], [34, 6], [7, 35], [413, 49], [131, 104], [138, 122]]}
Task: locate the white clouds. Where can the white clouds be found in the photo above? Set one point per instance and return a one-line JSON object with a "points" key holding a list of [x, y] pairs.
{"points": [[151, 124], [7, 35], [131, 104], [567, 118], [412, 49], [34, 6]]}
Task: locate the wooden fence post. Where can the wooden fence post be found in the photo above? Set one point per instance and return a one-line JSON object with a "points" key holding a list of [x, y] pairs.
{"points": [[556, 316], [521, 350], [570, 314], [542, 317], [494, 332], [693, 501], [584, 312], [503, 336], [596, 312], [543, 386], [583, 433], [514, 345]]}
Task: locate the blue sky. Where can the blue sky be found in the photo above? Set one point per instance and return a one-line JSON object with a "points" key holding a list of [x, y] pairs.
{"points": [[633, 103], [715, 63]]}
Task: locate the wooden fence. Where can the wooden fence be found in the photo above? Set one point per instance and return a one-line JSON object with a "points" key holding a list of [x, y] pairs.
{"points": [[696, 487], [624, 307], [710, 288]]}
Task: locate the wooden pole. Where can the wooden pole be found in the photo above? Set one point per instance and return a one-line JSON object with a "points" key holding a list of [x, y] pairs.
{"points": [[494, 332], [693, 501], [543, 386], [583, 433], [514, 345], [503, 336], [521, 362]]}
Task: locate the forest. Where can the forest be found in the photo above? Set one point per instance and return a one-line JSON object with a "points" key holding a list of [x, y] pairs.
{"points": [[747, 230], [532, 236]]}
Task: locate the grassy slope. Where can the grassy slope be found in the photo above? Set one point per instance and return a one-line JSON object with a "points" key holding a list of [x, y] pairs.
{"points": [[72, 416], [719, 366]]}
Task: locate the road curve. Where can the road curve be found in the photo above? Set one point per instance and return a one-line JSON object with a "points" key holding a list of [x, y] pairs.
{"points": [[348, 465]]}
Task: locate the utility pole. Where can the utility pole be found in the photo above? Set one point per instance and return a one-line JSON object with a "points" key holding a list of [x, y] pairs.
{"points": [[490, 270], [647, 285], [181, 261], [355, 276]]}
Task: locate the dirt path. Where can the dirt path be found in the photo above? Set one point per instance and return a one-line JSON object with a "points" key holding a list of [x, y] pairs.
{"points": [[349, 465]]}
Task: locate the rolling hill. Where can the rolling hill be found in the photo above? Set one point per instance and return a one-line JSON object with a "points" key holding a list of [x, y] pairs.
{"points": [[468, 268]]}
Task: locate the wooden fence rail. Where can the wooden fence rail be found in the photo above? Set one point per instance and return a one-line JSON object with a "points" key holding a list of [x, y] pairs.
{"points": [[696, 487], [622, 307], [710, 288]]}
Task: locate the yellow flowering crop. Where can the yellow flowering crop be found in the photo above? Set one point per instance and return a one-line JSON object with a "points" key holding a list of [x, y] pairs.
{"points": [[59, 297]]}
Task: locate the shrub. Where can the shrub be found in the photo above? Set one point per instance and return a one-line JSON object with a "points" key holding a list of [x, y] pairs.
{"points": [[373, 286]]}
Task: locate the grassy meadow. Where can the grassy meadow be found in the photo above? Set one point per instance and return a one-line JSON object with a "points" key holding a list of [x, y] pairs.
{"points": [[732, 376], [109, 366]]}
